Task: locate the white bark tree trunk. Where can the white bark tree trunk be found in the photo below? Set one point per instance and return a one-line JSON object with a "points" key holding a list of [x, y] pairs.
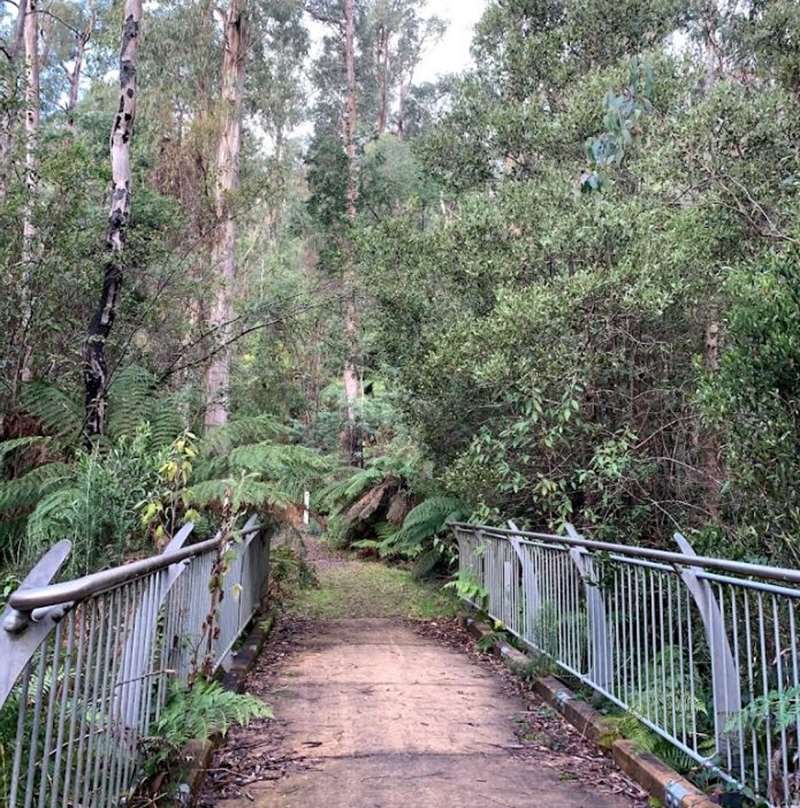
{"points": [[217, 381], [350, 373], [29, 251], [8, 117], [95, 367]]}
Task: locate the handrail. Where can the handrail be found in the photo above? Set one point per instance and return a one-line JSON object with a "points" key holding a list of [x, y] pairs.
{"points": [[667, 556], [88, 664], [26, 600], [691, 652]]}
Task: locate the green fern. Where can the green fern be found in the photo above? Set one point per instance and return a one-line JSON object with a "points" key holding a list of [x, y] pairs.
{"points": [[7, 447], [26, 490], [294, 467], [130, 398], [197, 713], [243, 492], [60, 413], [240, 432], [776, 710], [425, 521]]}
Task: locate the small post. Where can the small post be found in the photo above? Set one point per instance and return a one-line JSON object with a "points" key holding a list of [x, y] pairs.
{"points": [[601, 662], [306, 506]]}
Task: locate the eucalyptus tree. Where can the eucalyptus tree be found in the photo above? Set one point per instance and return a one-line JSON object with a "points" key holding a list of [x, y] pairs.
{"points": [[217, 377], [95, 362]]}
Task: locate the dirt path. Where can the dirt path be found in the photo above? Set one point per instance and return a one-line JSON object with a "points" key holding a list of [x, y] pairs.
{"points": [[379, 713]]}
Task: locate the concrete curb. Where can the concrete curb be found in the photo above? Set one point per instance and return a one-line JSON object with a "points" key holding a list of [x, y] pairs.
{"points": [[197, 754], [654, 776]]}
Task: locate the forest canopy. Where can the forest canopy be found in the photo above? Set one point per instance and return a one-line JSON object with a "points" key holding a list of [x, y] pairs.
{"points": [[247, 253]]}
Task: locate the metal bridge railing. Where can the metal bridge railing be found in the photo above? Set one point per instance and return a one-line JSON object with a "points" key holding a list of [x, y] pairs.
{"points": [[85, 665], [704, 651]]}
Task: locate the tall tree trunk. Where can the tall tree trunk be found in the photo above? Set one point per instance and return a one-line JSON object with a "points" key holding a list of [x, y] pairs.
{"points": [[74, 73], [383, 78], [8, 118], [29, 251], [350, 373], [401, 108], [95, 367], [217, 380]]}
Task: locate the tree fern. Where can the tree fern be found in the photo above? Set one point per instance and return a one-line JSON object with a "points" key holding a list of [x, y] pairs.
{"points": [[425, 521], [27, 490], [244, 492], [60, 413], [130, 398], [49, 520], [294, 468], [241, 431], [7, 447]]}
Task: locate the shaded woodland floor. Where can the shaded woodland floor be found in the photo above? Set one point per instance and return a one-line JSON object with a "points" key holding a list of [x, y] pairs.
{"points": [[382, 701]]}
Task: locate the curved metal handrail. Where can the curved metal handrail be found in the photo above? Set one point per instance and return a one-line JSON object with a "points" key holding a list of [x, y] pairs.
{"points": [[25, 600], [666, 556]]}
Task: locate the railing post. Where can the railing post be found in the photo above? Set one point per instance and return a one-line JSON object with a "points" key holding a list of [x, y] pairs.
{"points": [[24, 632], [601, 662], [531, 598], [724, 668]]}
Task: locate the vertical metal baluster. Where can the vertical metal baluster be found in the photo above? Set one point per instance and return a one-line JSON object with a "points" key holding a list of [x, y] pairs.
{"points": [[751, 687], [113, 741], [127, 611], [51, 709], [726, 703], [20, 735], [795, 677], [624, 650], [558, 564], [131, 699], [80, 623], [87, 685], [37, 716], [735, 625], [631, 632], [780, 689], [646, 640], [109, 698], [765, 684], [664, 692], [679, 620], [690, 636], [158, 584], [671, 628], [62, 713], [102, 606], [103, 711], [637, 601]]}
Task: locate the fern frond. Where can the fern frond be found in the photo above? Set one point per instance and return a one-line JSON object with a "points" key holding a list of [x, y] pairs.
{"points": [[239, 432], [130, 398], [243, 493], [338, 495], [61, 414], [426, 520], [291, 467], [11, 445], [198, 712], [28, 489], [165, 421], [49, 517]]}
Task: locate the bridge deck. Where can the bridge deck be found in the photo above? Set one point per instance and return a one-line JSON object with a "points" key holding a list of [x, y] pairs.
{"points": [[373, 714]]}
